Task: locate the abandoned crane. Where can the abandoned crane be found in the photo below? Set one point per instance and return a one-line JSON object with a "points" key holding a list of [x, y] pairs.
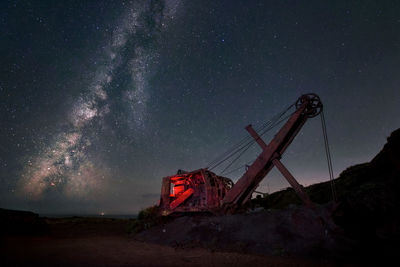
{"points": [[204, 191]]}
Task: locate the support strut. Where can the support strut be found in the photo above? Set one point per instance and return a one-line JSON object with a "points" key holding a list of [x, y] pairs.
{"points": [[285, 172], [307, 106], [293, 182]]}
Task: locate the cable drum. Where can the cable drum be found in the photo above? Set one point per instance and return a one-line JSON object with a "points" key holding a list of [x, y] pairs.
{"points": [[314, 106]]}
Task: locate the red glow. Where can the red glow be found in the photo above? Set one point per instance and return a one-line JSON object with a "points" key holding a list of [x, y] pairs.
{"points": [[181, 198]]}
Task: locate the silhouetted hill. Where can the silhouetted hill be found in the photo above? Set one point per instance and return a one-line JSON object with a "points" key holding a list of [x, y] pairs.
{"points": [[20, 222], [381, 173], [368, 197]]}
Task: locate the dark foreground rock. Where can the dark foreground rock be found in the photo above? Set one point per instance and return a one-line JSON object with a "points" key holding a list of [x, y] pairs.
{"points": [[296, 231], [84, 241], [369, 201], [21, 222], [364, 226]]}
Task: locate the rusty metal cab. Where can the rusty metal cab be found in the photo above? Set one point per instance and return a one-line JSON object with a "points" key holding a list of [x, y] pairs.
{"points": [[197, 191]]}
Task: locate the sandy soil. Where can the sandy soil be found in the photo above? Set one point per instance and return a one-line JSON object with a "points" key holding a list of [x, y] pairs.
{"points": [[105, 242]]}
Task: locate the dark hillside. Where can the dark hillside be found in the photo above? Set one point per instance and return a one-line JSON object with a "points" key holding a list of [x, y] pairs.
{"points": [[368, 197], [380, 174], [21, 222]]}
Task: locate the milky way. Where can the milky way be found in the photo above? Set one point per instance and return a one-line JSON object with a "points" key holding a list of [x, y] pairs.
{"points": [[65, 165], [101, 99]]}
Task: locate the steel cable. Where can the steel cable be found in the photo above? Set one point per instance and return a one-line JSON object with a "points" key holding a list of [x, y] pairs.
{"points": [[328, 157], [249, 144], [239, 146]]}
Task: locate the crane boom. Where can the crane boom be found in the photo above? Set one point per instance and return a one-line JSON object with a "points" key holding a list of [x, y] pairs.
{"points": [[307, 106]]}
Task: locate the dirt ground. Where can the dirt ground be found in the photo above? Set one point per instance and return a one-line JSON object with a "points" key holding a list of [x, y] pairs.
{"points": [[105, 242]]}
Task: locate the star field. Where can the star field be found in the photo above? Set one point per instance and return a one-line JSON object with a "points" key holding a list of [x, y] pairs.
{"points": [[100, 100]]}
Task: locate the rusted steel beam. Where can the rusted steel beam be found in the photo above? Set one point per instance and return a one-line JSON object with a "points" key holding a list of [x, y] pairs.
{"points": [[255, 135], [165, 192], [293, 182], [246, 185], [181, 198]]}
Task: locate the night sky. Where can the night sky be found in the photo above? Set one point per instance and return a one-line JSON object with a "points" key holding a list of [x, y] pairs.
{"points": [[101, 99]]}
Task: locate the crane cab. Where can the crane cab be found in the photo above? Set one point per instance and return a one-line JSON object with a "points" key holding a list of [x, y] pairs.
{"points": [[197, 191]]}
